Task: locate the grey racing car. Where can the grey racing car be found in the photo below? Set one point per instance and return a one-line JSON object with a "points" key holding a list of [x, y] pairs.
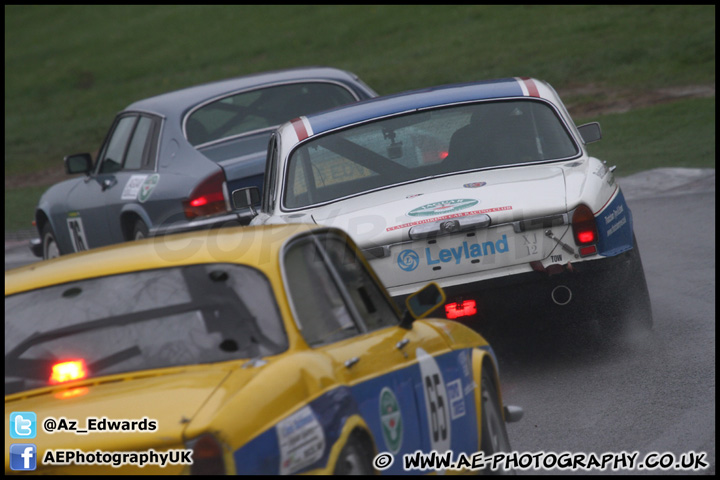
{"points": [[169, 162]]}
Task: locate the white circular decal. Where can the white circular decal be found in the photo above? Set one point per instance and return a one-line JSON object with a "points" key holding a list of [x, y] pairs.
{"points": [[436, 401]]}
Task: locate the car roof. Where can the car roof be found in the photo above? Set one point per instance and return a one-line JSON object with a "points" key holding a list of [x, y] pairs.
{"points": [[175, 103], [428, 97], [257, 246]]}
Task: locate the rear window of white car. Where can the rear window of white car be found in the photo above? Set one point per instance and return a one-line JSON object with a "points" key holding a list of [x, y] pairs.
{"points": [[141, 320], [423, 145], [262, 108]]}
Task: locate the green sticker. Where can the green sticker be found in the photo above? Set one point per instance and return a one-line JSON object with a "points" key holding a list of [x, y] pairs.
{"points": [[147, 187], [391, 420], [441, 208]]}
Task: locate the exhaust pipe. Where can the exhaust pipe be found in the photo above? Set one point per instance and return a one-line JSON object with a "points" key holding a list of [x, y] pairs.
{"points": [[561, 295]]}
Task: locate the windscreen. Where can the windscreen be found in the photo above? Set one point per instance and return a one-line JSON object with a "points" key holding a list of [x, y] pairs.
{"points": [[422, 145], [262, 108], [141, 320]]}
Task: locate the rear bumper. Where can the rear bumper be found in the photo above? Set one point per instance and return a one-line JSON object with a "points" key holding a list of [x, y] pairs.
{"points": [[532, 292], [229, 220]]}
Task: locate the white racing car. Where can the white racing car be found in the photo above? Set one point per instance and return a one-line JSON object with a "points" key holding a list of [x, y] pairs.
{"points": [[485, 188]]}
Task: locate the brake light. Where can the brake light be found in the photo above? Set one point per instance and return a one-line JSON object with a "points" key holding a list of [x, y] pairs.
{"points": [[584, 227], [68, 371], [208, 198], [207, 457], [460, 309]]}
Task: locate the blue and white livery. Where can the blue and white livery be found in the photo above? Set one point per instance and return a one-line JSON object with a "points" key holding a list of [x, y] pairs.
{"points": [[486, 188]]}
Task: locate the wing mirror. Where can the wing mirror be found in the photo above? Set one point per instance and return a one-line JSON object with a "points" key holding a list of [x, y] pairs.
{"points": [[247, 197], [78, 163], [590, 132], [422, 303]]}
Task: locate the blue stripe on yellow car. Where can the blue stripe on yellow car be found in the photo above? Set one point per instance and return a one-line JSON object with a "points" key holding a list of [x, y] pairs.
{"points": [[395, 402]]}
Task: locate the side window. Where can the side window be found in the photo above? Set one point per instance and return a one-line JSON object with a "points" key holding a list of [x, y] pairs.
{"points": [[334, 295], [139, 148], [321, 312], [367, 296], [112, 157]]}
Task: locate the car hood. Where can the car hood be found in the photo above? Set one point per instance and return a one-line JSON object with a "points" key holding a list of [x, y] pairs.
{"points": [[505, 195], [171, 399]]}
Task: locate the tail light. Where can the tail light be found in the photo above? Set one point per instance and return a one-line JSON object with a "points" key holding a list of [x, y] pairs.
{"points": [[208, 198], [464, 308], [585, 230], [207, 456]]}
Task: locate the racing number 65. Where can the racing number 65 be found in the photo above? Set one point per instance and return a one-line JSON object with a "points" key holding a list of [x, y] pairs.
{"points": [[437, 407]]}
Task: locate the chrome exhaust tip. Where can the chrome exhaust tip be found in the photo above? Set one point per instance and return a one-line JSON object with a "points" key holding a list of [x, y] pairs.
{"points": [[561, 295]]}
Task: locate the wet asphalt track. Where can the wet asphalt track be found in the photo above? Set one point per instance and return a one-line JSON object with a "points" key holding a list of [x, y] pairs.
{"points": [[651, 392]]}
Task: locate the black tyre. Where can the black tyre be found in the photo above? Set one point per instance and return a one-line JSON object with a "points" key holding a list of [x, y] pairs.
{"points": [[355, 459], [494, 434], [140, 230], [50, 246], [628, 302]]}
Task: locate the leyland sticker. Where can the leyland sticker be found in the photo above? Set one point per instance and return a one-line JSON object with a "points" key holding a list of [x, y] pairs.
{"points": [[408, 260], [440, 208]]}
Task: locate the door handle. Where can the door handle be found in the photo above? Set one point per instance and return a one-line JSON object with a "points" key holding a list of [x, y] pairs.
{"points": [[401, 344], [351, 361]]}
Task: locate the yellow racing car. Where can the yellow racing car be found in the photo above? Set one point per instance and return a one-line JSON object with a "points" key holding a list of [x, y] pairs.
{"points": [[256, 350]]}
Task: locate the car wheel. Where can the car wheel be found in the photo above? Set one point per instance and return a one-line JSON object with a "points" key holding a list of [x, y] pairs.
{"points": [[140, 230], [628, 304], [354, 459], [50, 245], [494, 434]]}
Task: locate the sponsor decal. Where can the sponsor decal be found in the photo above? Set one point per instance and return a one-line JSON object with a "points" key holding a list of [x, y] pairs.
{"points": [[440, 208], [475, 184], [615, 215], [77, 232], [414, 195], [456, 398], [409, 260], [147, 187], [446, 217], [601, 171], [391, 420], [301, 440], [132, 187]]}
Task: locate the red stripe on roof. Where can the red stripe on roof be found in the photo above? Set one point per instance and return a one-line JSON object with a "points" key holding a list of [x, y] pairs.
{"points": [[532, 88], [299, 128]]}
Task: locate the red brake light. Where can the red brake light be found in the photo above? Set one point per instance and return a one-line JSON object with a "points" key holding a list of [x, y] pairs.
{"points": [[207, 457], [68, 371], [586, 236], [583, 225], [208, 198], [460, 309]]}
